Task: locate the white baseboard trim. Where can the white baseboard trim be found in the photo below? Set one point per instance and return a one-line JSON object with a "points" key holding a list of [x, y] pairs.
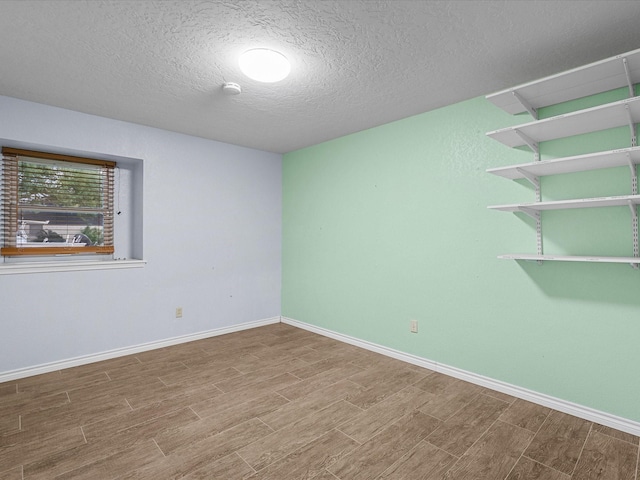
{"points": [[121, 352], [581, 411]]}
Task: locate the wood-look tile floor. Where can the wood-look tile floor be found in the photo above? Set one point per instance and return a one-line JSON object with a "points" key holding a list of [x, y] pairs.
{"points": [[282, 403]]}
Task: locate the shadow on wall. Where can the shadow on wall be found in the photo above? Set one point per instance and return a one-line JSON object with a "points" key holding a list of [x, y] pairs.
{"points": [[591, 282]]}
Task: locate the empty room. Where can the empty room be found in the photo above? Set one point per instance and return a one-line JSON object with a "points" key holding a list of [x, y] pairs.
{"points": [[319, 239]]}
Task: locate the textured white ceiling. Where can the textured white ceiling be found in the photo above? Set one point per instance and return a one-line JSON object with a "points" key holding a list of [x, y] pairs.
{"points": [[355, 63]]}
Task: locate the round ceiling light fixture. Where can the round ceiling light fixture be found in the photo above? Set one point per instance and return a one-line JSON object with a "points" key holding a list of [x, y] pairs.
{"points": [[264, 65]]}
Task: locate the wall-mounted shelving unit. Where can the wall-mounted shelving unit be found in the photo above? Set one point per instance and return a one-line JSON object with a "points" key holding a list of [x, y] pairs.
{"points": [[579, 163], [621, 201], [602, 117], [598, 77], [609, 74]]}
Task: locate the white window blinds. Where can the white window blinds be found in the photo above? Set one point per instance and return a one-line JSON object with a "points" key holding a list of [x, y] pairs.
{"points": [[56, 204]]}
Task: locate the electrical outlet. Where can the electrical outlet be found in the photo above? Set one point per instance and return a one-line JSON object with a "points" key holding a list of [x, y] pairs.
{"points": [[178, 312], [413, 326]]}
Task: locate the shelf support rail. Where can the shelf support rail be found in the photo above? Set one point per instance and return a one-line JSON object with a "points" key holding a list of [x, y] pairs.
{"points": [[532, 144], [628, 75], [535, 214], [632, 127], [634, 225], [634, 175], [532, 111]]}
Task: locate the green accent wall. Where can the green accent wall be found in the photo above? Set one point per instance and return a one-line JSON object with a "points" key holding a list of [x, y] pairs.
{"points": [[391, 224]]}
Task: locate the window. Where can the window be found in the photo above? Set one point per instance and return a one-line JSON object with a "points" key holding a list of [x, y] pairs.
{"points": [[56, 204]]}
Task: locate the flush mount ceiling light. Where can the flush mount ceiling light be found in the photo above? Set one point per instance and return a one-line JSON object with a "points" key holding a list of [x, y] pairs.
{"points": [[264, 65]]}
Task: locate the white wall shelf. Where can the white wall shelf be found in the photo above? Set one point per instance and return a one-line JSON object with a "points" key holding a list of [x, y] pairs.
{"points": [[615, 72], [622, 70], [619, 201], [611, 115], [571, 258], [579, 163]]}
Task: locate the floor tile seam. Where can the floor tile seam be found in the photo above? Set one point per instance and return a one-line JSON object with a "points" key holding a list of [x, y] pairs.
{"points": [[636, 444], [409, 449], [543, 422], [480, 438], [255, 371], [329, 472], [457, 457], [392, 421], [272, 461], [71, 388], [547, 465], [280, 395], [333, 401], [424, 440], [357, 406], [262, 380], [513, 424], [397, 420], [264, 423], [329, 405], [158, 447], [533, 436], [220, 432], [235, 452], [494, 398], [224, 408], [337, 429], [294, 375], [454, 413], [499, 397], [13, 468], [145, 422], [194, 412], [245, 460], [52, 373], [47, 436], [582, 448], [97, 458]]}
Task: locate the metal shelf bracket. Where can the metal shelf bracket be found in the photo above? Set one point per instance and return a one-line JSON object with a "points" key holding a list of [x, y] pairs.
{"points": [[535, 181], [530, 212], [632, 127], [527, 106], [628, 75], [532, 144]]}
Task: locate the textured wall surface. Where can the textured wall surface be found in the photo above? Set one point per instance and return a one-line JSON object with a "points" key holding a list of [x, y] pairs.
{"points": [[212, 216], [391, 224], [356, 63]]}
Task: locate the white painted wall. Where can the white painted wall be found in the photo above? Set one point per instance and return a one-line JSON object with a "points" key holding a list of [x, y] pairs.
{"points": [[212, 240]]}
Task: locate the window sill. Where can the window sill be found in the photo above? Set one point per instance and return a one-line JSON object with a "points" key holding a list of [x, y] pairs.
{"points": [[48, 267]]}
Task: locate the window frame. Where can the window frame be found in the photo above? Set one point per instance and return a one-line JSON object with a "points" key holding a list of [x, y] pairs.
{"points": [[10, 205]]}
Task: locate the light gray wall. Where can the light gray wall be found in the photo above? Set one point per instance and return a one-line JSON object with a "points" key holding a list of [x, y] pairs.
{"points": [[212, 240]]}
